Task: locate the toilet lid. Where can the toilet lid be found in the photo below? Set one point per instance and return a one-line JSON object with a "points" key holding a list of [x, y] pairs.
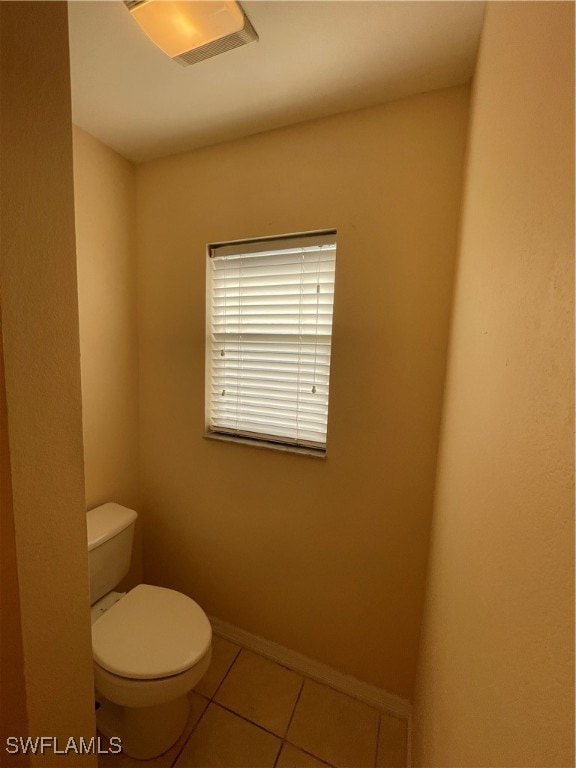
{"points": [[151, 632]]}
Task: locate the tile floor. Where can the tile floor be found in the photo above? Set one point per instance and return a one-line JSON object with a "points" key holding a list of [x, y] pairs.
{"points": [[248, 712]]}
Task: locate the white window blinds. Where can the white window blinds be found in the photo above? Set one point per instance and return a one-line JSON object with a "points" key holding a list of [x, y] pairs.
{"points": [[270, 324]]}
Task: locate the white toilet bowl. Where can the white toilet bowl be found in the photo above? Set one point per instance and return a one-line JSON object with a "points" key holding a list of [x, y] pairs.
{"points": [[150, 649]]}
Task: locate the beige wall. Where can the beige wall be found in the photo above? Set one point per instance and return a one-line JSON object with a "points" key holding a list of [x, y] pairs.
{"points": [[495, 684], [325, 557], [13, 715], [40, 335], [104, 190], [105, 203]]}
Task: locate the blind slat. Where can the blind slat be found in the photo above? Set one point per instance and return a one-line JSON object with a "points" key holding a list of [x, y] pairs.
{"points": [[287, 340], [257, 395]]}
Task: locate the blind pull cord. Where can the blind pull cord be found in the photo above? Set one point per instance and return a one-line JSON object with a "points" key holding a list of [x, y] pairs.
{"points": [[299, 382], [240, 360], [316, 330], [222, 353]]}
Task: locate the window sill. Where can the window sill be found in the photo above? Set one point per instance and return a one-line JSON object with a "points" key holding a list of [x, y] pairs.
{"points": [[281, 447]]}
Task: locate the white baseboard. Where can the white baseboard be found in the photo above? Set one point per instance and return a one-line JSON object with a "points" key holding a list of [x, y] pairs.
{"points": [[322, 673]]}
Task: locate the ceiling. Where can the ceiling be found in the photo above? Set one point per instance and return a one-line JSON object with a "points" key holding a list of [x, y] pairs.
{"points": [[313, 59]]}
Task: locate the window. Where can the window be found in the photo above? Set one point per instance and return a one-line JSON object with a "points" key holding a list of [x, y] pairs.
{"points": [[270, 331]]}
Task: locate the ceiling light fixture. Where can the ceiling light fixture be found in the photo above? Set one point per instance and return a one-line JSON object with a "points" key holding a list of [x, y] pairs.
{"points": [[193, 30]]}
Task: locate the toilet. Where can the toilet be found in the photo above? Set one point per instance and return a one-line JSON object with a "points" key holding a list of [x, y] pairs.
{"points": [[150, 645]]}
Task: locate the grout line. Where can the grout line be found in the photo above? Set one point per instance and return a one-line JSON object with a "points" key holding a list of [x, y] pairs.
{"points": [[246, 720], [294, 708], [196, 724], [280, 748], [278, 755], [409, 742], [238, 652], [378, 739], [271, 733], [310, 754], [281, 739]]}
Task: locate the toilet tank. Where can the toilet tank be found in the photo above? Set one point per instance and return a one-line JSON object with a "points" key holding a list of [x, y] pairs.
{"points": [[110, 536]]}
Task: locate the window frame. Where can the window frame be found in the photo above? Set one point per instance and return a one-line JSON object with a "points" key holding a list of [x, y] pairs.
{"points": [[244, 437]]}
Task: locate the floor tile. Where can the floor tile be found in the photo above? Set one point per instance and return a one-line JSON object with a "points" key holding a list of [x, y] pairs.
{"points": [[392, 742], [197, 706], [334, 727], [223, 655], [290, 757], [224, 740], [260, 691]]}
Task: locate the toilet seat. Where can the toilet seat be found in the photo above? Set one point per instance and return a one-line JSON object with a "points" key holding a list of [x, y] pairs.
{"points": [[151, 633], [128, 692]]}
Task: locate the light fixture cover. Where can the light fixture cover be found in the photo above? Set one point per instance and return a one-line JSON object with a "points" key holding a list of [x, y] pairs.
{"points": [[189, 31]]}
